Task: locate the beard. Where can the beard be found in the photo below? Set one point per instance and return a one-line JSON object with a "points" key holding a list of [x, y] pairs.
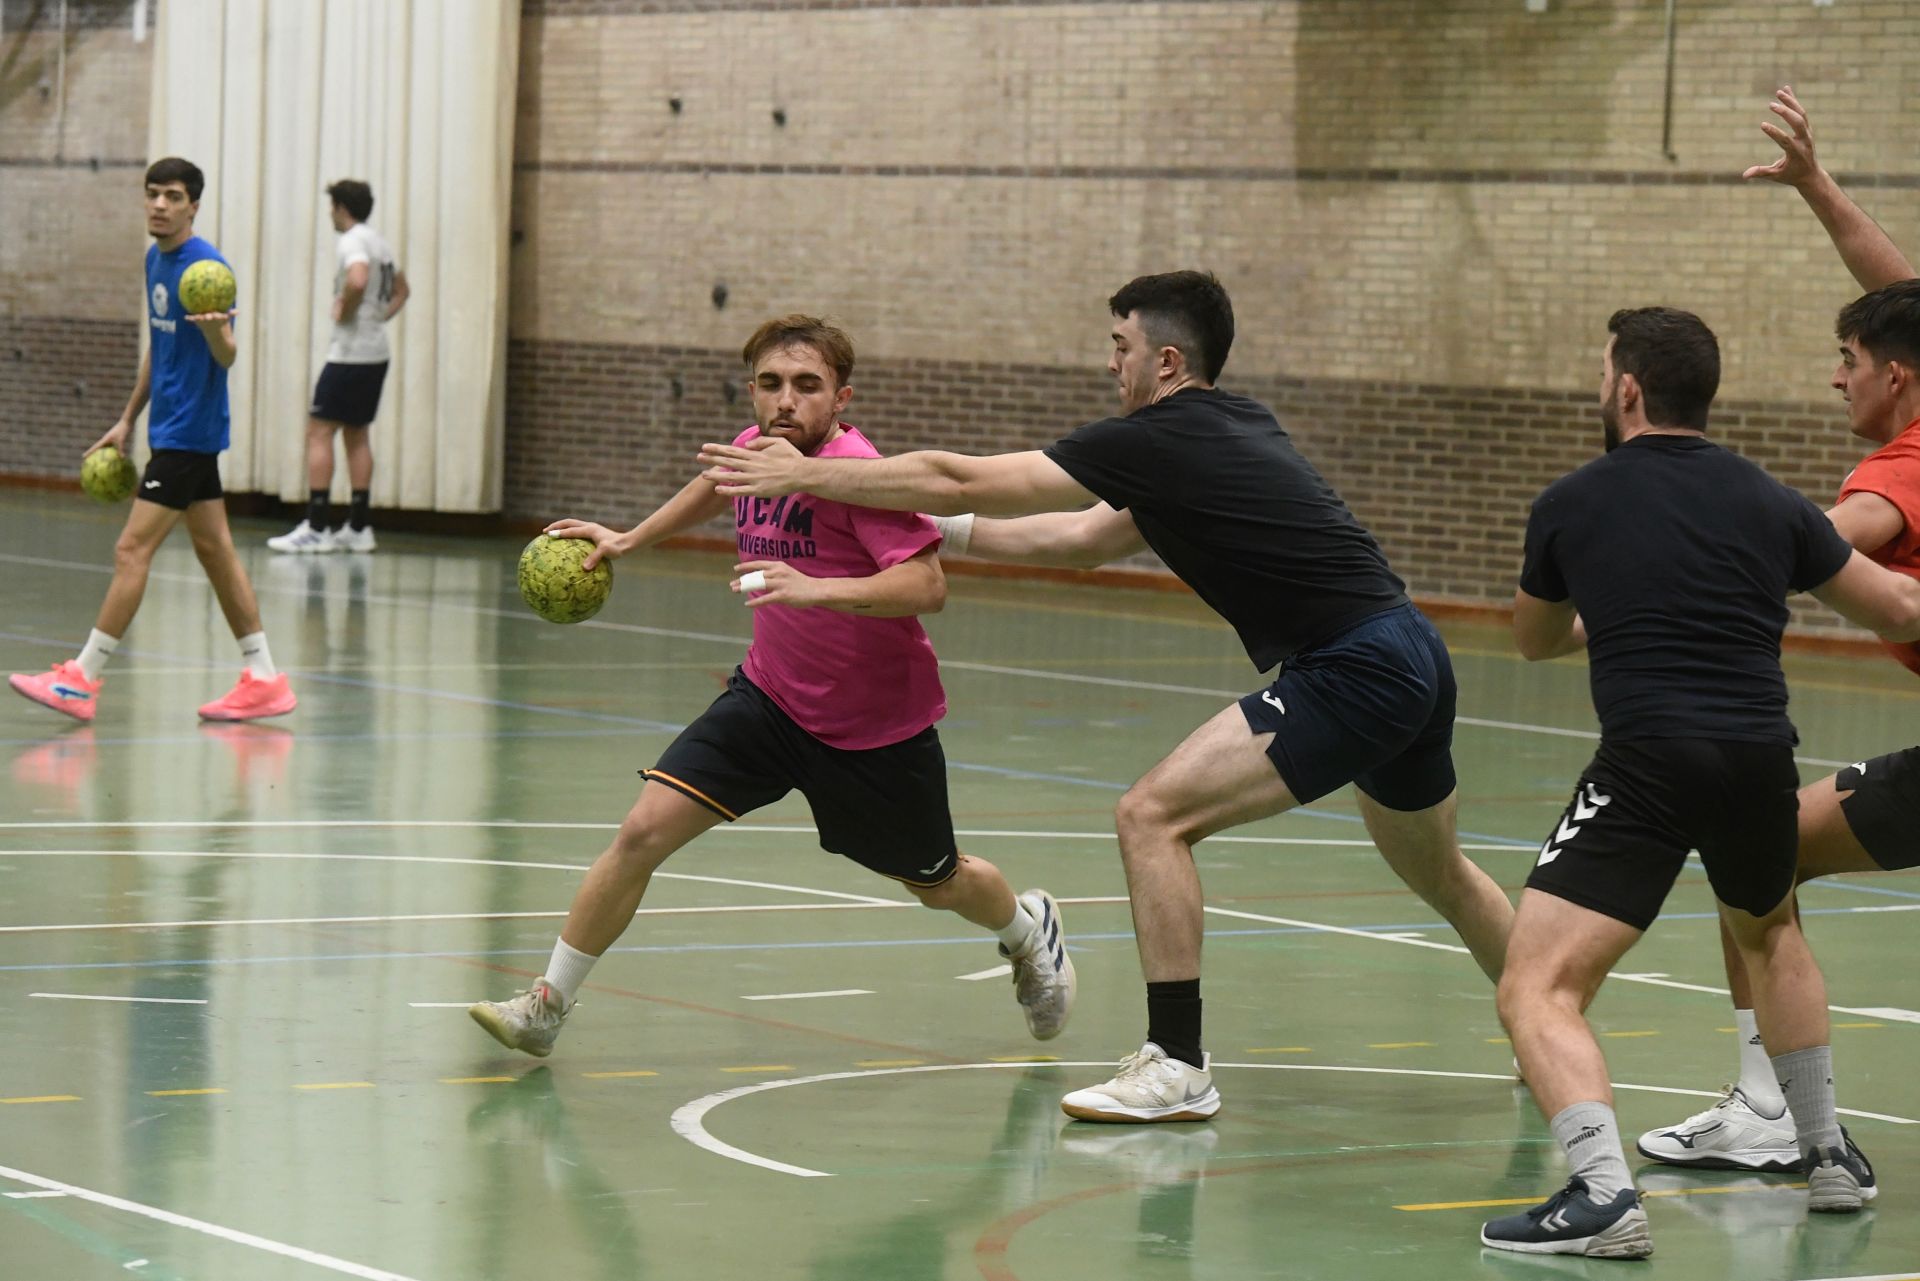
{"points": [[1610, 423]]}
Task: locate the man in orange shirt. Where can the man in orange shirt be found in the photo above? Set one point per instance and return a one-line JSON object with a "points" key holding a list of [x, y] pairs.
{"points": [[1866, 818]]}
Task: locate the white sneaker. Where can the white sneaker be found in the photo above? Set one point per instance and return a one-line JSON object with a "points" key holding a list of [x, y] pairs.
{"points": [[1730, 1135], [348, 539], [302, 538], [530, 1022], [1043, 980], [1149, 1087]]}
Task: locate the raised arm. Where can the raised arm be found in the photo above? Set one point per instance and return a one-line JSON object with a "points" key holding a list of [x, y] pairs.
{"points": [[930, 481], [693, 506], [1868, 251]]}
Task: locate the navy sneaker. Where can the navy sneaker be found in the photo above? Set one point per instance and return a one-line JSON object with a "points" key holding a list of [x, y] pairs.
{"points": [[1572, 1222], [1840, 1180]]}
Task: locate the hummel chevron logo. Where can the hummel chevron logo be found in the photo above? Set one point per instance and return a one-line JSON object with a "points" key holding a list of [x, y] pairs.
{"points": [[1584, 808], [1557, 1221]]}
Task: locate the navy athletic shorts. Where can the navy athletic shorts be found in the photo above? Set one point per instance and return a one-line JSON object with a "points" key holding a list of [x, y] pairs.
{"points": [[1372, 707], [348, 394], [1884, 807]]}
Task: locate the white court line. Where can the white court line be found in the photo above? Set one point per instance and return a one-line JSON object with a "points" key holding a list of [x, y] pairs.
{"points": [[168, 1217], [32, 1196], [808, 996], [689, 1119], [144, 1000], [1895, 1015], [997, 972], [439, 1005]]}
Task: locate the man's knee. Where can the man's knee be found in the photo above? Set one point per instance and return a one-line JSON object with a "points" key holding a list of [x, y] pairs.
{"points": [[1142, 810]]}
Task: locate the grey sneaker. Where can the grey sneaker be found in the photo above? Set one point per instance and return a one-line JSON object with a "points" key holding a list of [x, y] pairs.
{"points": [[530, 1022], [1840, 1180], [1043, 980], [1571, 1221], [1148, 1087]]}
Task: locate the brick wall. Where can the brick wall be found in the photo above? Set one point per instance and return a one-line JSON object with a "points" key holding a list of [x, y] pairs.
{"points": [[1425, 209]]}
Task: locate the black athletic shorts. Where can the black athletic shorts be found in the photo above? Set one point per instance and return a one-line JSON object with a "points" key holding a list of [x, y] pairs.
{"points": [[348, 394], [1641, 805], [1884, 809], [179, 478], [885, 808], [1372, 707]]}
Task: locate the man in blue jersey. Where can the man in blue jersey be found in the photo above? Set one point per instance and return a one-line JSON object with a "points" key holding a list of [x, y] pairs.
{"points": [[183, 379]]}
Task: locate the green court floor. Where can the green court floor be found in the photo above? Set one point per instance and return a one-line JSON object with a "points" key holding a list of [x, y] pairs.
{"points": [[785, 1070]]}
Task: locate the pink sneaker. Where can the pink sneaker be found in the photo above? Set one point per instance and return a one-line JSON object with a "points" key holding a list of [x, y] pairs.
{"points": [[251, 699], [64, 688]]}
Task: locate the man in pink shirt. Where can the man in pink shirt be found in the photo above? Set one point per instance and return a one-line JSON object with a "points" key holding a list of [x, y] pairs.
{"points": [[837, 698]]}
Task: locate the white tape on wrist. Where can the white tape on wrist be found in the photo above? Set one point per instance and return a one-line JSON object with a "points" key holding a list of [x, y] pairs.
{"points": [[754, 580], [956, 532]]}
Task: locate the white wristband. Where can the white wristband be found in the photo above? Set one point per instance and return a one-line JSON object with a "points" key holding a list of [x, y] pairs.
{"points": [[956, 532], [753, 580]]}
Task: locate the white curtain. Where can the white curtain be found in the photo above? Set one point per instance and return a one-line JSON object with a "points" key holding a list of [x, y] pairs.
{"points": [[275, 99]]}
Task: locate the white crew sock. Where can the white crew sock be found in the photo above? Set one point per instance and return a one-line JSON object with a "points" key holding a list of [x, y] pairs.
{"points": [[254, 656], [1015, 933], [567, 969], [1757, 1079], [95, 653]]}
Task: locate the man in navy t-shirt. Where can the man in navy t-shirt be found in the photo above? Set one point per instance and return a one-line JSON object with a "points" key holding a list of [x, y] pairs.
{"points": [[183, 383]]}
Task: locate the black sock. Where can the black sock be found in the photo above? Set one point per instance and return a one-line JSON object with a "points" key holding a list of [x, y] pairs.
{"points": [[1173, 1019], [358, 514], [317, 508]]}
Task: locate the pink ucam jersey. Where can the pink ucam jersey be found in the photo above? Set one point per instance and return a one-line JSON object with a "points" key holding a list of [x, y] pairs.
{"points": [[850, 681]]}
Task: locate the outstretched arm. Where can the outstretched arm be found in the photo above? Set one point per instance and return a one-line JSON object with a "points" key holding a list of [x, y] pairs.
{"points": [[1076, 540], [693, 506], [931, 481], [1868, 252], [1881, 599]]}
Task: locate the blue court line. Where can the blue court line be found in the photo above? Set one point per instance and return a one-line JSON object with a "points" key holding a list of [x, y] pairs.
{"points": [[973, 940]]}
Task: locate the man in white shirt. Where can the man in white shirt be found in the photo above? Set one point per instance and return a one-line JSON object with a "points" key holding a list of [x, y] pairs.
{"points": [[369, 289]]}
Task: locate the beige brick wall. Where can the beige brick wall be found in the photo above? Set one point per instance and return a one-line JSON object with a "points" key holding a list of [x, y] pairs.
{"points": [[1425, 210]]}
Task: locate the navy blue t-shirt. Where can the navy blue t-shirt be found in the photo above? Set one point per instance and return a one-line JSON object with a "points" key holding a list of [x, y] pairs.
{"points": [[187, 408], [1680, 556]]}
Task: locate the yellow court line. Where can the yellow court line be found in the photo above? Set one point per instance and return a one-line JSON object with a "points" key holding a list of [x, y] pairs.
{"points": [[1490, 1205], [1281, 1049], [477, 1080], [1627, 1034], [887, 1063], [1400, 1045], [616, 1076], [337, 1085], [761, 1067], [45, 1098], [181, 1094], [1859, 1025], [1501, 1040], [1026, 1058]]}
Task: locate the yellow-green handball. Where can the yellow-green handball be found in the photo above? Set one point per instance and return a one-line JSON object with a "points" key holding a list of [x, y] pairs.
{"points": [[553, 584], [108, 475], [207, 287]]}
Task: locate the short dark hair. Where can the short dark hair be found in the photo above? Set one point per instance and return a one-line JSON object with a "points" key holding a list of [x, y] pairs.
{"points": [[354, 196], [1885, 322], [786, 331], [1675, 358], [1186, 310], [173, 169]]}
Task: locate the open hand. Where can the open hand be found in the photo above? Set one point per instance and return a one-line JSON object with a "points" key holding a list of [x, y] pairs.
{"points": [[765, 468], [1797, 164]]}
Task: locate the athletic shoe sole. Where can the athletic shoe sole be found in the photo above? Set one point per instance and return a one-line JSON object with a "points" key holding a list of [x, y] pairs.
{"points": [[497, 1028], [1200, 1109], [1757, 1160], [1837, 1192], [1626, 1238]]}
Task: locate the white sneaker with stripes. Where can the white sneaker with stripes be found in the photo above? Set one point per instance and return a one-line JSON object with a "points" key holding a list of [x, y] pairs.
{"points": [[1043, 980]]}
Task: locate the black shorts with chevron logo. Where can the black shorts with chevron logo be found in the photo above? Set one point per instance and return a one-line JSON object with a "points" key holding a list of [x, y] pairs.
{"points": [[1641, 805], [1882, 807]]}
